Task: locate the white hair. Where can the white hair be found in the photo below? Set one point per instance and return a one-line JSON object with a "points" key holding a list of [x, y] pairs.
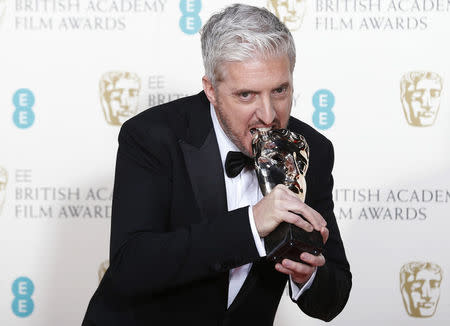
{"points": [[241, 32]]}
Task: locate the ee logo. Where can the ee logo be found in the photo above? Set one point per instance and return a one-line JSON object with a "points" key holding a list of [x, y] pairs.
{"points": [[23, 116], [190, 21], [22, 305], [323, 102]]}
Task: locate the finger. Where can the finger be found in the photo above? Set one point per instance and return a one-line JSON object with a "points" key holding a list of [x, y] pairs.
{"points": [[313, 260], [297, 220], [297, 268], [325, 233], [312, 217], [283, 269]]}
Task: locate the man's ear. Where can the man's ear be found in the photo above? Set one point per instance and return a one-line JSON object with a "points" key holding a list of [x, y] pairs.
{"points": [[209, 90]]}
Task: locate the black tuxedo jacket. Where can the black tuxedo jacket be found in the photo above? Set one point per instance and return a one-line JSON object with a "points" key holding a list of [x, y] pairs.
{"points": [[173, 241]]}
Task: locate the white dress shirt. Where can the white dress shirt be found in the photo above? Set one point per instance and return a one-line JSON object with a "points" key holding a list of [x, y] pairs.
{"points": [[243, 190]]}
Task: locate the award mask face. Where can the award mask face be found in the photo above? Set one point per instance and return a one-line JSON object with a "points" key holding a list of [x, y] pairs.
{"points": [[281, 156]]}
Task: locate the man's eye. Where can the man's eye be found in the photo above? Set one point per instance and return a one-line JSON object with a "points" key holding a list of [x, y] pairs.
{"points": [[245, 95], [435, 93], [280, 90]]}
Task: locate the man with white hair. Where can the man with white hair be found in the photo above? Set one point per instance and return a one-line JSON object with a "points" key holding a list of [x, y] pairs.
{"points": [[186, 233]]}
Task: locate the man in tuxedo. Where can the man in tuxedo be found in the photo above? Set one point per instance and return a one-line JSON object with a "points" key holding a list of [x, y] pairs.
{"points": [[187, 230]]}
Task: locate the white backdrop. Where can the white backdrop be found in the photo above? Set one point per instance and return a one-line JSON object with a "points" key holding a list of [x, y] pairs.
{"points": [[57, 151]]}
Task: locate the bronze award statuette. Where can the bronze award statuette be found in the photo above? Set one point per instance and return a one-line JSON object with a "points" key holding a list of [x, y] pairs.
{"points": [[281, 156]]}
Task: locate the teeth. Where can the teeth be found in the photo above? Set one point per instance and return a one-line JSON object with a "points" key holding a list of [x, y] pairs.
{"points": [[264, 129]]}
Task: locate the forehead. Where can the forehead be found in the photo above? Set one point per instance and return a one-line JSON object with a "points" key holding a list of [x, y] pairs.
{"points": [[126, 83], [428, 84], [424, 275], [257, 73]]}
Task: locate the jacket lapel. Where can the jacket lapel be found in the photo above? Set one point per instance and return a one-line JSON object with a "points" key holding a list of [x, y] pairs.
{"points": [[203, 163], [205, 171]]}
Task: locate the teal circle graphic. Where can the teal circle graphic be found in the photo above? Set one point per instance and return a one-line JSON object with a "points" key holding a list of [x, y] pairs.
{"points": [[23, 287], [23, 98], [323, 119], [22, 307], [23, 118], [190, 6], [323, 99], [190, 24]]}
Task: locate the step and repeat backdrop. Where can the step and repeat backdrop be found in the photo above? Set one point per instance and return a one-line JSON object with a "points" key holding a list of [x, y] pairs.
{"points": [[371, 75]]}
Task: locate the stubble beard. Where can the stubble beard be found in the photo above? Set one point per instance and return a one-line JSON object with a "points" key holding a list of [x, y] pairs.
{"points": [[226, 126]]}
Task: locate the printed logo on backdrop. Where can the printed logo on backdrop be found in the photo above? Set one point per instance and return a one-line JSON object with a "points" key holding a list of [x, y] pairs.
{"points": [[102, 270], [80, 15], [3, 184], [388, 205], [420, 287], [33, 200], [378, 15], [290, 12], [119, 96], [23, 304], [23, 116], [420, 94], [190, 22], [119, 93], [323, 101]]}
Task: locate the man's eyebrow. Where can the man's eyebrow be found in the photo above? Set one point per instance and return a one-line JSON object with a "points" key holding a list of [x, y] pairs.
{"points": [[242, 90], [249, 90], [285, 84]]}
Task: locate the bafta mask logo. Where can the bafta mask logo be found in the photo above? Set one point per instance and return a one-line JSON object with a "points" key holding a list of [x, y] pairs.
{"points": [[290, 12], [119, 96], [420, 284], [420, 93], [3, 183], [102, 270]]}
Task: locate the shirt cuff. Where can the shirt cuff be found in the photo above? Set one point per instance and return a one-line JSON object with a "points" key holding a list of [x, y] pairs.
{"points": [[297, 291], [259, 242]]}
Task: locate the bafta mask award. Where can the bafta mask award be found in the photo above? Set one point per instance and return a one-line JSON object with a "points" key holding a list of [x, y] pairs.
{"points": [[281, 157]]}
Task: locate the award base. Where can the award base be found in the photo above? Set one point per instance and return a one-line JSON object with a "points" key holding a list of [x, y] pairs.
{"points": [[289, 241]]}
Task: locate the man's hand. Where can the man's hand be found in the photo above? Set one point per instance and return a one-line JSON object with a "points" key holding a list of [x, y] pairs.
{"points": [[280, 206], [300, 272]]}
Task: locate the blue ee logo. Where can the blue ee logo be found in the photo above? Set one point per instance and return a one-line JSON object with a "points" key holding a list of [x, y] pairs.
{"points": [[190, 21], [323, 101], [23, 116], [22, 305]]}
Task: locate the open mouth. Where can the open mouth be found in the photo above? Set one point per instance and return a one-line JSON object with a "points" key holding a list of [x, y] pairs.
{"points": [[265, 129], [426, 305]]}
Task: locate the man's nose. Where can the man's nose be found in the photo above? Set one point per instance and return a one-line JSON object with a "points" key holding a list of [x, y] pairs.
{"points": [[426, 100], [124, 100], [265, 111], [426, 291], [291, 6]]}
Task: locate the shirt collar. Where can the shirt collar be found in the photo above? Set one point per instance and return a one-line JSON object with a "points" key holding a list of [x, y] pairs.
{"points": [[225, 143]]}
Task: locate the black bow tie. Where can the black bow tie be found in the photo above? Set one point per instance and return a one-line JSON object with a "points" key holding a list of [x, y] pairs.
{"points": [[235, 162]]}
